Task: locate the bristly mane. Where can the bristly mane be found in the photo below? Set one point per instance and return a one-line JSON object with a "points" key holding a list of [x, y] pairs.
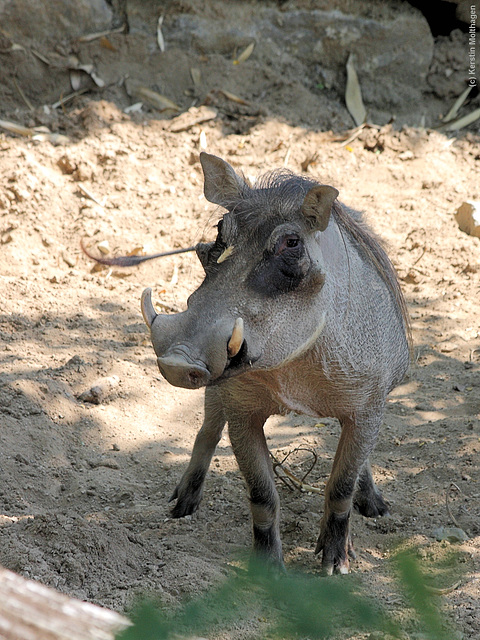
{"points": [[364, 237], [281, 193], [278, 193]]}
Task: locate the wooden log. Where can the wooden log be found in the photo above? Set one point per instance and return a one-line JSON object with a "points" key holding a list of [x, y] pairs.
{"points": [[31, 611]]}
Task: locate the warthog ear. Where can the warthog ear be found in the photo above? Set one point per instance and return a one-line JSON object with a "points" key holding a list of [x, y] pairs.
{"points": [[317, 206], [222, 185]]}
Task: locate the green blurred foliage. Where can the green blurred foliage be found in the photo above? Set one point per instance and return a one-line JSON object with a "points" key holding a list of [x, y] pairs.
{"points": [[295, 605]]}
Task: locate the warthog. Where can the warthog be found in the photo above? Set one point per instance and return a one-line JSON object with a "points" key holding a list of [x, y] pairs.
{"points": [[300, 310]]}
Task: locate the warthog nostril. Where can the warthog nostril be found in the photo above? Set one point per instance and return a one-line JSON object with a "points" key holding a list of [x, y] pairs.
{"points": [[194, 377]]}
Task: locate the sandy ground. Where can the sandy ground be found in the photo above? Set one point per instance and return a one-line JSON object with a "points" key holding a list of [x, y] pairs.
{"points": [[84, 489]]}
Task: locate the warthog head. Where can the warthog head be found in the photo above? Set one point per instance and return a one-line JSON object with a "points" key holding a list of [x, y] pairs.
{"points": [[258, 306]]}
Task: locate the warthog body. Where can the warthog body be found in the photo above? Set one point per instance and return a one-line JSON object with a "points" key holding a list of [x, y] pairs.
{"points": [[300, 310]]}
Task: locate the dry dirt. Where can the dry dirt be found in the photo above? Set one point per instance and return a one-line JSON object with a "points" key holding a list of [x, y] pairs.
{"points": [[84, 488]]}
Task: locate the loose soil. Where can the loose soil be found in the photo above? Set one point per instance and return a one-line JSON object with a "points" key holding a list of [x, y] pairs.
{"points": [[84, 487]]}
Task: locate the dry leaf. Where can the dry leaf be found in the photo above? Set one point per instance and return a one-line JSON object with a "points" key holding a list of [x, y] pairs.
{"points": [[104, 247], [455, 125], [106, 44], [196, 76], [160, 40], [137, 251], [457, 104], [89, 70], [94, 36], [155, 99], [40, 57], [246, 53], [353, 94], [76, 79], [16, 128], [233, 97], [39, 134]]}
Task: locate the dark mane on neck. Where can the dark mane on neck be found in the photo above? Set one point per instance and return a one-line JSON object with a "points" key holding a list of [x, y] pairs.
{"points": [[371, 246]]}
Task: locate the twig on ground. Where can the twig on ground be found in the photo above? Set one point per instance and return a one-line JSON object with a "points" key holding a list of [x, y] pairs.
{"points": [[442, 592], [447, 506], [296, 482]]}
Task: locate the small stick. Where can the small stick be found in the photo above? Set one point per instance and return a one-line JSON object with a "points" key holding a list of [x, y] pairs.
{"points": [[299, 484], [449, 512], [100, 34], [354, 135], [22, 95], [40, 57], [421, 255], [69, 97], [442, 592], [420, 489], [89, 194], [314, 456]]}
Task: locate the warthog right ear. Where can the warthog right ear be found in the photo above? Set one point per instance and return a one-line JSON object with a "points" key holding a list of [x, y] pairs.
{"points": [[317, 206], [222, 185]]}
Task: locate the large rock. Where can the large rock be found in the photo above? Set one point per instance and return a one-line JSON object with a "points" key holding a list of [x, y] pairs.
{"points": [[297, 68], [48, 28], [26, 21], [393, 48]]}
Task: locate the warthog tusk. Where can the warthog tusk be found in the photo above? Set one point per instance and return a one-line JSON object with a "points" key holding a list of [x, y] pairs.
{"points": [[236, 341], [148, 312], [225, 254]]}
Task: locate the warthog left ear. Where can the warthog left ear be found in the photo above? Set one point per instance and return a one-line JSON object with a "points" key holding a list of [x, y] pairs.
{"points": [[222, 185], [317, 206]]}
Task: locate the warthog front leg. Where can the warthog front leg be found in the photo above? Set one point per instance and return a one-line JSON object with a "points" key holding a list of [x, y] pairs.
{"points": [[350, 465], [188, 493], [251, 452]]}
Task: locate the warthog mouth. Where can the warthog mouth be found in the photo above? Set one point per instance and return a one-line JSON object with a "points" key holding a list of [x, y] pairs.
{"points": [[237, 365]]}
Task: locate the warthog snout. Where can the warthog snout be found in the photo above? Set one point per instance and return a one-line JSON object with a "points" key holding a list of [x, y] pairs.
{"points": [[188, 355], [178, 369]]}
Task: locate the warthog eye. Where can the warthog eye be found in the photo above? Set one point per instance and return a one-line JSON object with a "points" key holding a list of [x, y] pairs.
{"points": [[283, 267], [287, 242]]}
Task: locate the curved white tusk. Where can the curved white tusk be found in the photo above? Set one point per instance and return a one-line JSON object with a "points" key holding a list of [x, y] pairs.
{"points": [[148, 312], [226, 254], [236, 341]]}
